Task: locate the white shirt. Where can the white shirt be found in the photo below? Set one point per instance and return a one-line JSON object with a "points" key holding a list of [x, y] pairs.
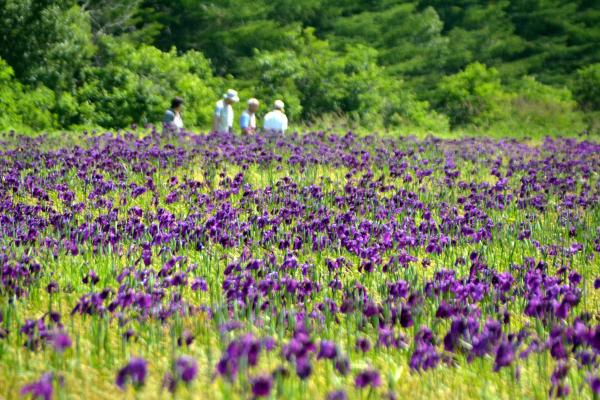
{"points": [[177, 121], [224, 113], [276, 121]]}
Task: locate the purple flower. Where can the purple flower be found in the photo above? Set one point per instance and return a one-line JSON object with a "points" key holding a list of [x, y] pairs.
{"points": [[303, 368], [370, 309], [186, 338], [425, 355], [327, 350], [41, 389], [363, 344], [246, 348], [61, 341], [337, 395], [172, 197], [199, 284], [595, 384], [366, 378], [52, 287], [169, 382], [261, 386], [135, 372], [504, 355], [559, 391], [559, 373], [406, 320], [91, 277], [443, 311], [186, 368]]}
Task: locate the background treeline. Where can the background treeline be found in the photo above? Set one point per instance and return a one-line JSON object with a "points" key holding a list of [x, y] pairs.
{"points": [[527, 66]]}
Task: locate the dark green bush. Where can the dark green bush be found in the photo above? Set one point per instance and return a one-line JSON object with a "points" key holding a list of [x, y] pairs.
{"points": [[586, 88]]}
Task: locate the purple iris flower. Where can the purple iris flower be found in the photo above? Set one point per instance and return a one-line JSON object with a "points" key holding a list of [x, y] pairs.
{"points": [[303, 368], [342, 365], [327, 350], [363, 344], [186, 368], [337, 395], [61, 341], [261, 386], [595, 384], [505, 355], [41, 389], [134, 372], [366, 378], [199, 284]]}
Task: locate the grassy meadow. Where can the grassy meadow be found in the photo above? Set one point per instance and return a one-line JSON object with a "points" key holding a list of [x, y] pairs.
{"points": [[316, 265]]}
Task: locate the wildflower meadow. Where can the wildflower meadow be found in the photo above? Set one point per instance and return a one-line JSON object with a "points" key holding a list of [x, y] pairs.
{"points": [[313, 265]]}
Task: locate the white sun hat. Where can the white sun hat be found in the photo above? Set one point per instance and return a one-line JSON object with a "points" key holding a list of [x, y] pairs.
{"points": [[232, 95], [279, 105], [253, 102]]}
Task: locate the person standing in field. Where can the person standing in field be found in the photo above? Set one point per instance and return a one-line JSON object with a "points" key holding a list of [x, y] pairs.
{"points": [[223, 118], [248, 118], [276, 120], [172, 118]]}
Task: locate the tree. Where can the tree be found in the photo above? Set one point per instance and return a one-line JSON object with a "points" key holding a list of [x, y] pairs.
{"points": [[129, 19], [560, 36], [407, 40], [317, 80], [45, 41]]}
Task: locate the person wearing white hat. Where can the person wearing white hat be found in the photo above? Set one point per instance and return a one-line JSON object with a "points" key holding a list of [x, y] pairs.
{"points": [[248, 118], [276, 120], [223, 118]]}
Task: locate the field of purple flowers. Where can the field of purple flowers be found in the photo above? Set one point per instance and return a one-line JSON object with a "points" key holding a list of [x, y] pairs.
{"points": [[315, 266]]}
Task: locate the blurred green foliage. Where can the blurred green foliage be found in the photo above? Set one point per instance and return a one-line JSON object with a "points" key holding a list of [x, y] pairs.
{"points": [[524, 67], [129, 84], [587, 87]]}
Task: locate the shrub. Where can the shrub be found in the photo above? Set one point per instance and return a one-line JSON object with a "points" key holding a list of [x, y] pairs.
{"points": [[135, 85], [471, 96], [8, 96], [586, 87], [476, 99], [24, 108], [536, 108]]}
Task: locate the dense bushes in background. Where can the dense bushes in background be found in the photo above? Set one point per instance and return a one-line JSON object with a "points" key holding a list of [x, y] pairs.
{"points": [[587, 87], [541, 109], [22, 107], [134, 85], [586, 90], [477, 98], [524, 68], [316, 80]]}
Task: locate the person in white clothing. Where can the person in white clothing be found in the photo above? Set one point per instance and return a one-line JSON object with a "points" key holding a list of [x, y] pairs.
{"points": [[276, 120], [172, 120], [248, 118], [223, 118]]}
